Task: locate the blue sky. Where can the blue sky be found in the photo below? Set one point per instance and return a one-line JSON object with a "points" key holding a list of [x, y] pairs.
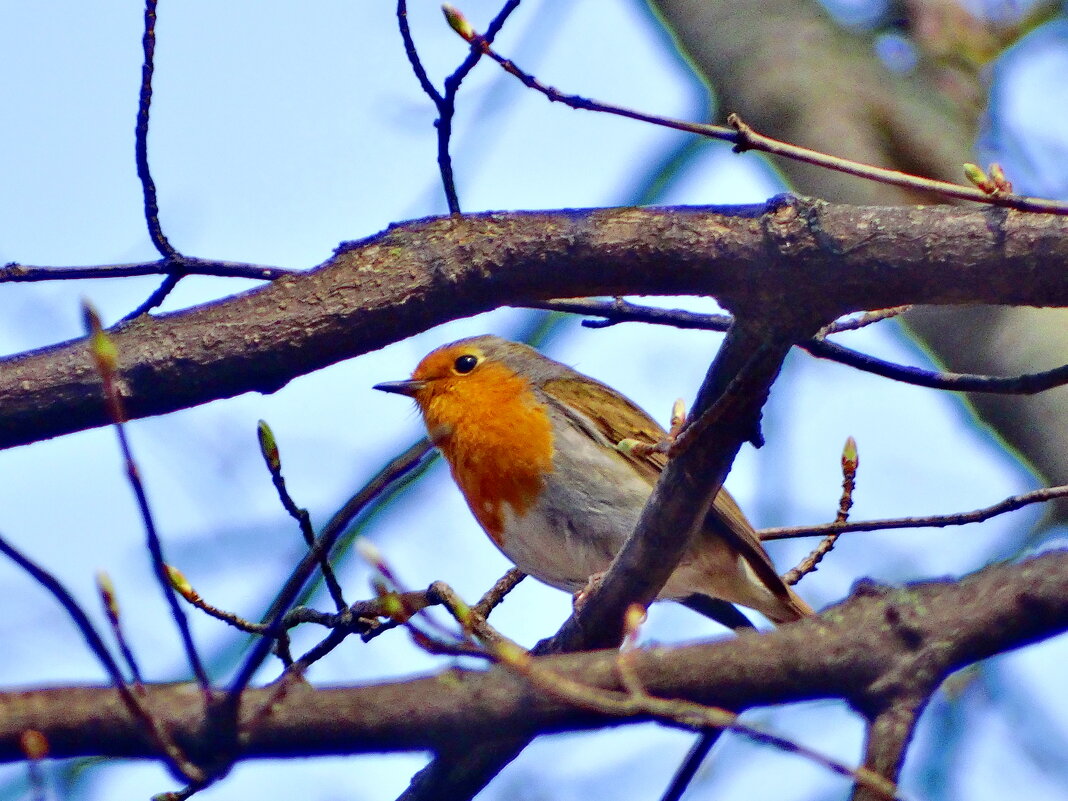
{"points": [[280, 130]]}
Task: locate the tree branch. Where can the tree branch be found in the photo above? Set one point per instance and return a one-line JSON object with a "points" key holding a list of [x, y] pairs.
{"points": [[881, 644], [622, 311], [834, 259], [888, 735]]}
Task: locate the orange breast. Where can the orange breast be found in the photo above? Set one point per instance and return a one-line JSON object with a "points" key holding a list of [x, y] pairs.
{"points": [[497, 438]]}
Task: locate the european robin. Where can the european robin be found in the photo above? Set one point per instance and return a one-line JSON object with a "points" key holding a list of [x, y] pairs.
{"points": [[531, 444]]}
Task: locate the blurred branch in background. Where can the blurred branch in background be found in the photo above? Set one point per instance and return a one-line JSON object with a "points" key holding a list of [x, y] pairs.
{"points": [[791, 71]]}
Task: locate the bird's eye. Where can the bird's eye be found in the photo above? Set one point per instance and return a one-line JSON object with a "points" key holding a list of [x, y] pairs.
{"points": [[465, 363]]}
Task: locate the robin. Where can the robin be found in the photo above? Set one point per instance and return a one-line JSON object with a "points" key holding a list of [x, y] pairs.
{"points": [[532, 445]]}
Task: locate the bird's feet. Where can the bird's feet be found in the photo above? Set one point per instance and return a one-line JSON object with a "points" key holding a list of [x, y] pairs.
{"points": [[578, 600]]}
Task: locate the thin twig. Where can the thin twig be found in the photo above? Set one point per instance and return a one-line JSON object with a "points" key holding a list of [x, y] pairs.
{"points": [[114, 616], [272, 457], [752, 140], [144, 174], [25, 273], [96, 644], [489, 601], [473, 623], [412, 53], [933, 521], [862, 320], [184, 794], [620, 311], [1026, 384], [106, 361], [495, 594], [687, 771], [157, 297], [683, 713], [148, 186], [364, 617], [318, 651], [403, 464], [475, 55], [738, 133], [633, 701], [850, 463], [445, 102], [194, 598], [447, 107]]}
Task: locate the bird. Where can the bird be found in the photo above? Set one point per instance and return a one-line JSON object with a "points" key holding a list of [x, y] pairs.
{"points": [[532, 445]]}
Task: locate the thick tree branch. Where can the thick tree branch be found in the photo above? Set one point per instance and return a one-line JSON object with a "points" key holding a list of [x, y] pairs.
{"points": [[888, 736], [880, 645], [830, 259]]}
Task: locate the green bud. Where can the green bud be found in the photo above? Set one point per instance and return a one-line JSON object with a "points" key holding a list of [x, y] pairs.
{"points": [[974, 173], [180, 583], [107, 592], [103, 350], [269, 447], [458, 22], [850, 457]]}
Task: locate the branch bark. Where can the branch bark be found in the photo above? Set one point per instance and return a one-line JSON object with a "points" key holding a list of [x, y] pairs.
{"points": [[826, 258], [881, 644]]}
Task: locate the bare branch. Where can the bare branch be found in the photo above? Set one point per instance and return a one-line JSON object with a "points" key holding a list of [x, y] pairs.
{"points": [[871, 648], [377, 291], [273, 459], [888, 735], [496, 594], [412, 53], [138, 715], [738, 133], [148, 186], [105, 359], [850, 462], [1027, 384], [445, 102], [931, 521], [24, 273], [274, 619], [621, 311], [862, 321], [110, 602]]}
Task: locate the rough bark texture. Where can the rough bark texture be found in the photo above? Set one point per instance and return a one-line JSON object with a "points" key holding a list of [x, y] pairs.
{"points": [[882, 643], [827, 259]]}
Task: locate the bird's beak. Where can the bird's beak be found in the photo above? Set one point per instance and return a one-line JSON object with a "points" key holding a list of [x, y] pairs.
{"points": [[409, 387]]}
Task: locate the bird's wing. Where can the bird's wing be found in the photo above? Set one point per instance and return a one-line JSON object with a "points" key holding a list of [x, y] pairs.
{"points": [[727, 520], [612, 417]]}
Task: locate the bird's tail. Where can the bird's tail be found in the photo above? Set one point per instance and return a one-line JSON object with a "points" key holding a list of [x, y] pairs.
{"points": [[789, 608]]}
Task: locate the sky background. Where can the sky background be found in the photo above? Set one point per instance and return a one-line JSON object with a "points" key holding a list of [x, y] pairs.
{"points": [[281, 129]]}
